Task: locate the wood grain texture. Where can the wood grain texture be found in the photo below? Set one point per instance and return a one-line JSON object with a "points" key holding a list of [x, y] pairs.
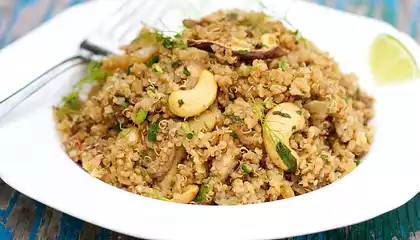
{"points": [[23, 218]]}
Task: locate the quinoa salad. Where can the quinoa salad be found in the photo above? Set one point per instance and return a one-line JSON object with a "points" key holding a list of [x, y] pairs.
{"points": [[235, 109]]}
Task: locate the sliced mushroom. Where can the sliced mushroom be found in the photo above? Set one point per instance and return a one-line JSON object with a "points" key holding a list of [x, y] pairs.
{"points": [[161, 166], [243, 55], [171, 175]]}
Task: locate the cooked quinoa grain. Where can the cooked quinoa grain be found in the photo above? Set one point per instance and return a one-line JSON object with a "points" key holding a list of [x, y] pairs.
{"points": [[237, 109]]}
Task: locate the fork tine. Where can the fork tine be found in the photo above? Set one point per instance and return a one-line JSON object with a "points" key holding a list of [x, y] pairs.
{"points": [[131, 28], [115, 18], [134, 8]]}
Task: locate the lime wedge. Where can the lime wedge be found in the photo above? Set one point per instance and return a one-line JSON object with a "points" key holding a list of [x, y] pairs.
{"points": [[390, 61]]}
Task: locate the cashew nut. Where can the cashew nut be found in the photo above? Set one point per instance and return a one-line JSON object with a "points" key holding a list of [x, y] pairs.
{"points": [[269, 40], [280, 123], [188, 103], [187, 196]]}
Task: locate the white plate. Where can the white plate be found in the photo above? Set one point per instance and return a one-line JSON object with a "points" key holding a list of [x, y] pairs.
{"points": [[33, 162]]}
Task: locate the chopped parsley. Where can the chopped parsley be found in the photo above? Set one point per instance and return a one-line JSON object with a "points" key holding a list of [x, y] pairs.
{"points": [[168, 43], [151, 133], [285, 115], [298, 34], [180, 44], [185, 127], [158, 69], [234, 135], [190, 135], [242, 52], [71, 101], [260, 45], [124, 105], [357, 161], [117, 127], [178, 35], [245, 168], [232, 15], [118, 95], [282, 63], [249, 68], [177, 64], [129, 68], [186, 72], [299, 113], [234, 118], [153, 60], [348, 99], [141, 115], [180, 102], [201, 196], [326, 143], [324, 156]]}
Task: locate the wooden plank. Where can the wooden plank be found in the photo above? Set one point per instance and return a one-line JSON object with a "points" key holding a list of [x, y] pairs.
{"points": [[26, 219], [49, 229], [22, 217]]}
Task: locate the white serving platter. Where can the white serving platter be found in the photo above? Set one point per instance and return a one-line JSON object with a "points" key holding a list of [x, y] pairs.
{"points": [[33, 162]]}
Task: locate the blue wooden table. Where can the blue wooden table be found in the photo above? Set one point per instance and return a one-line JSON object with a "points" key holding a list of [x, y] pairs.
{"points": [[23, 218]]}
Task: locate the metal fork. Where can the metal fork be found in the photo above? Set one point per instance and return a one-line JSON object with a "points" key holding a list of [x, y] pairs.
{"points": [[119, 29]]}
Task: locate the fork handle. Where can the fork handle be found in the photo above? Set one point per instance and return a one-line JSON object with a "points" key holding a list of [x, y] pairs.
{"points": [[14, 100]]}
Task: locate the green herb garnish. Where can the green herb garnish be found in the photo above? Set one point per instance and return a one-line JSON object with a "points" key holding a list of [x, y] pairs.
{"points": [[324, 156], [245, 168], [348, 99], [168, 43], [141, 115], [151, 133], [153, 60], [186, 72], [178, 35], [201, 196], [232, 15], [117, 127], [357, 161], [234, 118], [297, 34], [242, 52], [158, 69], [118, 95], [234, 135], [285, 115], [180, 44], [299, 113], [129, 69], [124, 105], [180, 102], [71, 101], [160, 197], [190, 135], [177, 64], [282, 63], [286, 156]]}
